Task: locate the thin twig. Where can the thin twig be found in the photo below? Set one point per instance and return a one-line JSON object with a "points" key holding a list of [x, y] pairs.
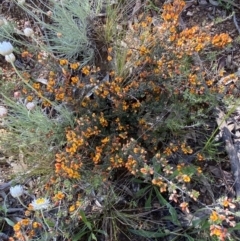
{"points": [[5, 186], [14, 210], [235, 165], [236, 23]]}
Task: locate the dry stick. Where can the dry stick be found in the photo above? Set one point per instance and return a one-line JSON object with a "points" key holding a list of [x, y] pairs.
{"points": [[232, 153], [236, 23], [14, 210], [4, 186]]}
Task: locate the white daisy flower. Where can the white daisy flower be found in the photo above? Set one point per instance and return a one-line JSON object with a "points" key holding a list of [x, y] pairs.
{"points": [[40, 203], [28, 32], [6, 48], [10, 58], [30, 105], [16, 191], [3, 111]]}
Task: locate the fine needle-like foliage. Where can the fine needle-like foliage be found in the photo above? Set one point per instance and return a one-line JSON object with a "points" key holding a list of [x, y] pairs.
{"points": [[65, 27], [34, 135]]}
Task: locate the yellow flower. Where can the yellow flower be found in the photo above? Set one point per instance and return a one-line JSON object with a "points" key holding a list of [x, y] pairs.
{"points": [[78, 203], [184, 207], [86, 70], [60, 96], [218, 231], [36, 225], [167, 151], [51, 74], [72, 208], [29, 98], [186, 178], [180, 166], [109, 58], [103, 121], [25, 54], [97, 157], [30, 207], [215, 230], [143, 50], [27, 213], [158, 182], [25, 222], [46, 104], [214, 216], [59, 195], [36, 86], [227, 203], [74, 79], [31, 234], [144, 171], [17, 227], [199, 170], [200, 157], [220, 40], [105, 140], [74, 65], [63, 62]]}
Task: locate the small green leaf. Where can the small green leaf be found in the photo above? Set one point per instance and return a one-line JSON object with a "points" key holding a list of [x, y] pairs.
{"points": [[81, 233], [9, 222], [102, 232], [173, 214], [142, 191], [160, 197], [171, 209], [93, 236], [84, 219], [149, 201], [189, 237]]}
